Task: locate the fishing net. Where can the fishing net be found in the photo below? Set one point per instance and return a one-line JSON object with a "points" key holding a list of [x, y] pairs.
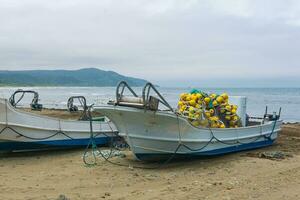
{"points": [[208, 110]]}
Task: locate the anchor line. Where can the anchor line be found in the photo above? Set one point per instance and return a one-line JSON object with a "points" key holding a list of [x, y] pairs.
{"points": [[213, 137], [180, 144], [33, 138], [238, 141], [112, 147], [25, 136], [41, 138], [187, 147], [160, 165], [269, 137]]}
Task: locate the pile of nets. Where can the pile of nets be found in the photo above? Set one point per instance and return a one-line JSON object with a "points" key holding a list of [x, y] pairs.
{"points": [[208, 110]]}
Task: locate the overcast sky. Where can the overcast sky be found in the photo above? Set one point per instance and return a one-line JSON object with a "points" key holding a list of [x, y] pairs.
{"points": [[169, 42]]}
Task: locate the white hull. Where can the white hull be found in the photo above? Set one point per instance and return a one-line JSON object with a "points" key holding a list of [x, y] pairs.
{"points": [[160, 134], [21, 130]]}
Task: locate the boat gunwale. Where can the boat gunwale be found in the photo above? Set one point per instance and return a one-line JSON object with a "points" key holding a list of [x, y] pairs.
{"points": [[50, 129], [197, 140], [171, 114], [38, 115]]}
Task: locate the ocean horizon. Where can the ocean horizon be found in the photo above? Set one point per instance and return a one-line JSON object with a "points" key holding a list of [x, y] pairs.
{"points": [[257, 98]]}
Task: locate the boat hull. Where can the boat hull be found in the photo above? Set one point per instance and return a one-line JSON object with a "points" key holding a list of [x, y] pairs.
{"points": [[21, 130], [148, 156], [155, 135]]}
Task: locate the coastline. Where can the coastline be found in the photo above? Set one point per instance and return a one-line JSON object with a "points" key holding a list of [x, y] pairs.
{"points": [[61, 174], [257, 99]]}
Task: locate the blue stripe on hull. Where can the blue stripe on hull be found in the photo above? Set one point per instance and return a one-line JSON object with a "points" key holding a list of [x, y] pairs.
{"points": [[221, 151], [69, 143]]}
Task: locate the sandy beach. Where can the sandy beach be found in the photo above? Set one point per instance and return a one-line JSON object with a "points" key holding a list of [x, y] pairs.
{"points": [[185, 84], [246, 175]]}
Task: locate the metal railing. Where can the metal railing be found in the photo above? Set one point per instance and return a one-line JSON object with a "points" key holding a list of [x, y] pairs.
{"points": [[147, 99]]}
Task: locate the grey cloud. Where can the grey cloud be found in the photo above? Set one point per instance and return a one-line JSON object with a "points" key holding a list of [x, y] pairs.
{"points": [[162, 41]]}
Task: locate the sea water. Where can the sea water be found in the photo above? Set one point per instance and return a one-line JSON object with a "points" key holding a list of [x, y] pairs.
{"points": [[257, 98]]}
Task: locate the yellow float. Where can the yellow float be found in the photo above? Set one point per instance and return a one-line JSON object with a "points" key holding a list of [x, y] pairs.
{"points": [[208, 110]]}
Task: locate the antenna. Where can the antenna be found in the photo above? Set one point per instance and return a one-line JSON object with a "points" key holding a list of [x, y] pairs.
{"points": [[279, 113], [266, 112]]}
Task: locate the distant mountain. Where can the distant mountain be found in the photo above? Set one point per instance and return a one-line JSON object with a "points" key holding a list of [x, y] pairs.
{"points": [[82, 77]]}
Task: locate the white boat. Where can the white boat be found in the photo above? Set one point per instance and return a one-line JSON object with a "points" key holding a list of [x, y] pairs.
{"points": [[20, 130], [156, 134]]}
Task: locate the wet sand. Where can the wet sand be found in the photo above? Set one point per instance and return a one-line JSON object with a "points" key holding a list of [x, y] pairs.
{"points": [[245, 175]]}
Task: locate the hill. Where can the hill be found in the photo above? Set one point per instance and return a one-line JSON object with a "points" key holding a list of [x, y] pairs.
{"points": [[81, 77]]}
